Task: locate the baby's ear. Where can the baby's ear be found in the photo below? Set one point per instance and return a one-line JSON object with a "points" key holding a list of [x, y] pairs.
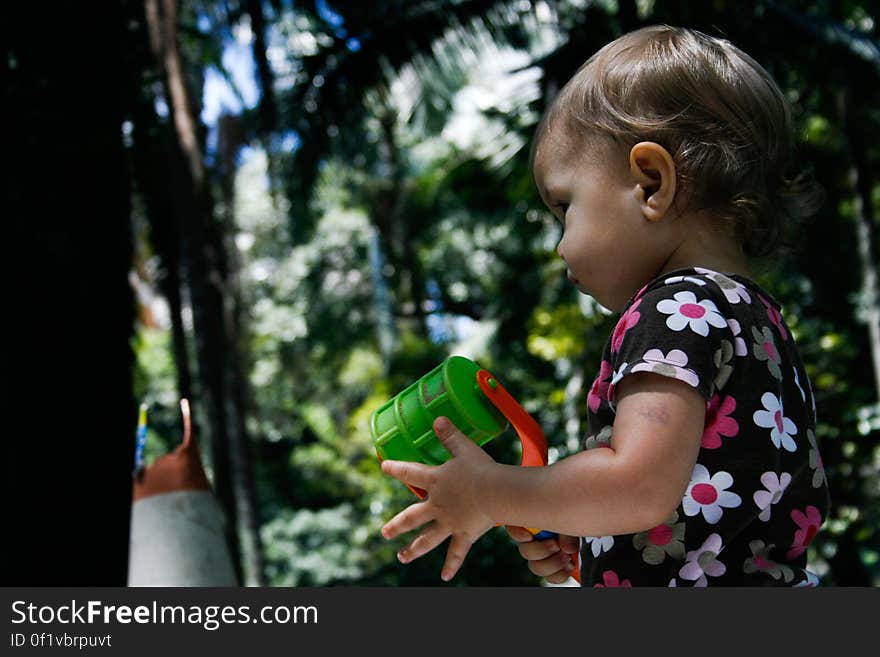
{"points": [[653, 170]]}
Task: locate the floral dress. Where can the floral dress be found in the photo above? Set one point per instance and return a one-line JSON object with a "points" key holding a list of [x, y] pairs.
{"points": [[758, 493]]}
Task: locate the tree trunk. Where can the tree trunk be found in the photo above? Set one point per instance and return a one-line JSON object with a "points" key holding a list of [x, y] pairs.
{"points": [[230, 140], [152, 145], [860, 179], [202, 258], [268, 112]]}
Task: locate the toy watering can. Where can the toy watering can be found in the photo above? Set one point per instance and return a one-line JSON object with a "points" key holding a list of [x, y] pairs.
{"points": [[473, 400]]}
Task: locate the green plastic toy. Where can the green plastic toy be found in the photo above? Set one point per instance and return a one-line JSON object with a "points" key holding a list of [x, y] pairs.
{"points": [[402, 427], [475, 402]]}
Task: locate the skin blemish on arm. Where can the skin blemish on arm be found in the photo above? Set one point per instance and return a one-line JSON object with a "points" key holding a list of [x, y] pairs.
{"points": [[655, 413]]}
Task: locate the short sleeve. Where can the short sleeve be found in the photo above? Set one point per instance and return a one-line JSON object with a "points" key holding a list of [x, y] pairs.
{"points": [[675, 328]]}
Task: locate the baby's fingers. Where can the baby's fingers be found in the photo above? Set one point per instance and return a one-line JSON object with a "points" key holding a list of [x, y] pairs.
{"points": [[561, 576], [414, 474], [422, 544], [459, 547], [410, 518], [553, 567], [537, 550], [519, 534], [569, 544]]}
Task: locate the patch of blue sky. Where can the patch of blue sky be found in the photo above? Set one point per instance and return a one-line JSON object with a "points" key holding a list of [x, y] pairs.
{"points": [[218, 95], [289, 141], [328, 15], [230, 93], [445, 327]]}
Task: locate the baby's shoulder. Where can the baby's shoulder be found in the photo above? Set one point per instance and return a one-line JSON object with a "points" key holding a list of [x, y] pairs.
{"points": [[704, 287]]}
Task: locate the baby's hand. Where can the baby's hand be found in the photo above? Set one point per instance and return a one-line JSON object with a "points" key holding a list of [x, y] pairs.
{"points": [[552, 558], [453, 500]]}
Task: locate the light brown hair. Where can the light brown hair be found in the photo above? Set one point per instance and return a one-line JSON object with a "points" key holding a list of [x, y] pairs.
{"points": [[720, 115]]}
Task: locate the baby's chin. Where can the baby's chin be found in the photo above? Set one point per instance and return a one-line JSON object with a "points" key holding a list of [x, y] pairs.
{"points": [[580, 287], [614, 303], [611, 300]]}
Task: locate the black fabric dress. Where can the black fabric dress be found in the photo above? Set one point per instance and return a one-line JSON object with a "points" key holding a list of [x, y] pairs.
{"points": [[758, 493]]}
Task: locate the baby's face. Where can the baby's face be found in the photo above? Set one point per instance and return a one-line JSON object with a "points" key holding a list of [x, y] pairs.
{"points": [[610, 248]]}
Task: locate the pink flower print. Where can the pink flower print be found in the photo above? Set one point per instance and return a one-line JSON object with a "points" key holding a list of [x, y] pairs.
{"points": [[718, 421], [774, 317], [672, 365], [815, 460], [629, 319], [599, 390], [760, 561], [684, 310], [808, 524], [739, 345], [764, 349], [664, 539], [709, 495], [781, 428], [640, 293], [734, 292], [775, 486], [704, 561], [612, 581], [599, 544]]}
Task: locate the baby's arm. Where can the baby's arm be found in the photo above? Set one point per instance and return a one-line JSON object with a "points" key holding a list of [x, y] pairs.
{"points": [[630, 488]]}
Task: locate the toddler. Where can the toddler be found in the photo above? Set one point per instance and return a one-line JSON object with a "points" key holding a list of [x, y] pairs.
{"points": [[665, 158]]}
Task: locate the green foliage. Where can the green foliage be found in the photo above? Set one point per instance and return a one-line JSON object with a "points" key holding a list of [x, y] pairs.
{"points": [[383, 158]]}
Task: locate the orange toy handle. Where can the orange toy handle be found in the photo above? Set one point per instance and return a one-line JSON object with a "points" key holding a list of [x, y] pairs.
{"points": [[534, 444]]}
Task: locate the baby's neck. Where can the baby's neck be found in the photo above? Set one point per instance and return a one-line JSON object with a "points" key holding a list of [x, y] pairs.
{"points": [[715, 262], [711, 250]]}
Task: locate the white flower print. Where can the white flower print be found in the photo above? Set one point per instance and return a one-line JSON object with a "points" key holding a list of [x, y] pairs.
{"points": [[781, 428], [722, 357], [811, 581], [734, 292], [709, 494], [704, 561], [680, 279], [815, 460], [599, 544], [672, 364], [797, 382], [601, 439], [618, 374], [775, 486], [812, 396], [739, 344], [684, 310]]}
